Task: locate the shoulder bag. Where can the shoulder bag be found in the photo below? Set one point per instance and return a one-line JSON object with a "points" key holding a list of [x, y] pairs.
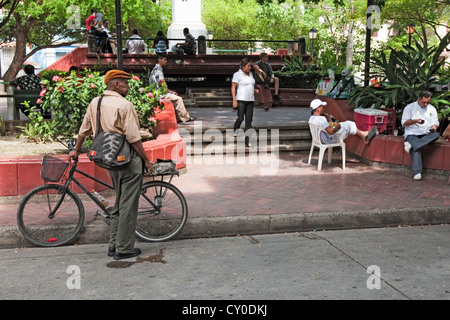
{"points": [[109, 150]]}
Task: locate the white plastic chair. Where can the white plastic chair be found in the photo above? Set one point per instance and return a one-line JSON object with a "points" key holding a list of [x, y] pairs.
{"points": [[316, 142]]}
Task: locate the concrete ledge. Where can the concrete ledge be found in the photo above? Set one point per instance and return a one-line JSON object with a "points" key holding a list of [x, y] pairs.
{"points": [[98, 231]]}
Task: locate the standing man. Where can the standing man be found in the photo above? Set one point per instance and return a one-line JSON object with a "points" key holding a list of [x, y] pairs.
{"points": [[189, 46], [157, 76], [119, 116], [135, 45], [264, 74], [421, 123]]}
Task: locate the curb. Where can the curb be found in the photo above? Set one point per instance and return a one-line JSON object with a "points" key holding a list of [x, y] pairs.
{"points": [[98, 231]]}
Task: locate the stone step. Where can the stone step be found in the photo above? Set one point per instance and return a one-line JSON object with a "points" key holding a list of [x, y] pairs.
{"points": [[285, 139], [239, 147]]}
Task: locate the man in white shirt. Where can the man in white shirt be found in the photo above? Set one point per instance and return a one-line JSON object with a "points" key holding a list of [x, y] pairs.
{"points": [[421, 123], [346, 128], [135, 44]]}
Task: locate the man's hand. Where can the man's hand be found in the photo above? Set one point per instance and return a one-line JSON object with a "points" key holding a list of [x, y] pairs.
{"points": [[149, 166], [73, 154]]}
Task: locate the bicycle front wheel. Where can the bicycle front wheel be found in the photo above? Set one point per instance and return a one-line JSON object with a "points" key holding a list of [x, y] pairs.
{"points": [[162, 211], [41, 224]]}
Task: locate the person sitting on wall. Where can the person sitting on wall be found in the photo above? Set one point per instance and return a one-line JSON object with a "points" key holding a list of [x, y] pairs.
{"points": [[421, 123], [161, 43], [93, 27], [135, 45], [157, 77], [110, 42], [189, 46], [264, 74], [346, 128]]}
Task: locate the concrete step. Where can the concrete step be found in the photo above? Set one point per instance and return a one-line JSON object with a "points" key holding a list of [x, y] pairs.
{"points": [[209, 97], [285, 139], [239, 147]]}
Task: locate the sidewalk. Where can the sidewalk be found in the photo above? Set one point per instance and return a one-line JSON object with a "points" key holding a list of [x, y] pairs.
{"points": [[244, 197]]}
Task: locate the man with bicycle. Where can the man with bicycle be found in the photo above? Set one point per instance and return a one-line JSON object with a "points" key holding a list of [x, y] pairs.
{"points": [[119, 116]]}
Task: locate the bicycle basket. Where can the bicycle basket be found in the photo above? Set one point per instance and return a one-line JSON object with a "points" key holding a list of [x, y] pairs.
{"points": [[53, 168]]}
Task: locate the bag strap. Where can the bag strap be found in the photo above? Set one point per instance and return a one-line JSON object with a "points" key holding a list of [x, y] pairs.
{"points": [[99, 125]]}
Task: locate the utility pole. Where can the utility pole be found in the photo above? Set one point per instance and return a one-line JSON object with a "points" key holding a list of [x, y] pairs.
{"points": [[119, 35], [368, 38]]}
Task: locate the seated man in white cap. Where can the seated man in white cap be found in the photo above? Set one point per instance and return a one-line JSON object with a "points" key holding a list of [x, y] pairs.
{"points": [[346, 128]]}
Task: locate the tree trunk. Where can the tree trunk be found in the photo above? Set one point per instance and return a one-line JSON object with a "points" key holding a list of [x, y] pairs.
{"points": [[349, 55], [21, 48]]}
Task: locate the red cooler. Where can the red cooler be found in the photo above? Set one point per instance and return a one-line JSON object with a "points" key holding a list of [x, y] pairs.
{"points": [[367, 118]]}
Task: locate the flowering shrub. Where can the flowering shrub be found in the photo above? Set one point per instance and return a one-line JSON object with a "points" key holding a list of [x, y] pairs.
{"points": [[145, 101], [68, 98]]}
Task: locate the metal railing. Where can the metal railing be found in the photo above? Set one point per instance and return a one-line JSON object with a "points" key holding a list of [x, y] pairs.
{"points": [[251, 47]]}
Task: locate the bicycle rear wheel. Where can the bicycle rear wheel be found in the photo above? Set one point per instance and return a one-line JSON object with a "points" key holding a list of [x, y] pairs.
{"points": [[36, 224], [162, 211]]}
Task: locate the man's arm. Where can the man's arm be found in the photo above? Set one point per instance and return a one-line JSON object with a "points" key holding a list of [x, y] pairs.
{"points": [[331, 130], [77, 147]]}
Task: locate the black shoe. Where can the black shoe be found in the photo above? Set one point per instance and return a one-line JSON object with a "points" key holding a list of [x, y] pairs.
{"points": [[276, 97], [192, 119], [111, 252], [120, 256]]}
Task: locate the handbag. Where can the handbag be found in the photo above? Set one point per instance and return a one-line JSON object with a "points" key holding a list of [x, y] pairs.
{"points": [[109, 150]]}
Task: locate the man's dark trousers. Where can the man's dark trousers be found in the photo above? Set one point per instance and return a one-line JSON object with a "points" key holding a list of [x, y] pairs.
{"points": [[417, 142]]}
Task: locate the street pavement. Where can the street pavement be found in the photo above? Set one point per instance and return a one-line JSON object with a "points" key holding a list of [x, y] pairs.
{"points": [[399, 263]]}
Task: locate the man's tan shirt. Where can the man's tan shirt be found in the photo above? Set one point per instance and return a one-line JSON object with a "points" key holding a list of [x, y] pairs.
{"points": [[118, 116]]}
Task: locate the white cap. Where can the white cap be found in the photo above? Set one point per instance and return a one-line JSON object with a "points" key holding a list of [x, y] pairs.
{"points": [[317, 103]]}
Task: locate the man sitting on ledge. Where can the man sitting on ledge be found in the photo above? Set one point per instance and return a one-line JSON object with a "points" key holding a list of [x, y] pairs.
{"points": [[346, 128], [421, 122], [157, 76]]}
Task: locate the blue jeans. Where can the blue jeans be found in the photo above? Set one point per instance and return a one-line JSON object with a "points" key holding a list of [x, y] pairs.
{"points": [[417, 142]]}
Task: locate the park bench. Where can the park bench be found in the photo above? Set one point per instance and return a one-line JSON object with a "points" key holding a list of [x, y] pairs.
{"points": [[16, 98]]}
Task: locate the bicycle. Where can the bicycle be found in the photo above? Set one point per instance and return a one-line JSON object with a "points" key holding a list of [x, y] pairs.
{"points": [[53, 214]]}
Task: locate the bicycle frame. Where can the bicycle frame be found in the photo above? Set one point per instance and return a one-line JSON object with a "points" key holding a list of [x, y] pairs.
{"points": [[71, 178]]}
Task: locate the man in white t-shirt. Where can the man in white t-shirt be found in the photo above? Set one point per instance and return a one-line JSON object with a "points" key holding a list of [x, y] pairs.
{"points": [[135, 45], [346, 128], [421, 123]]}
